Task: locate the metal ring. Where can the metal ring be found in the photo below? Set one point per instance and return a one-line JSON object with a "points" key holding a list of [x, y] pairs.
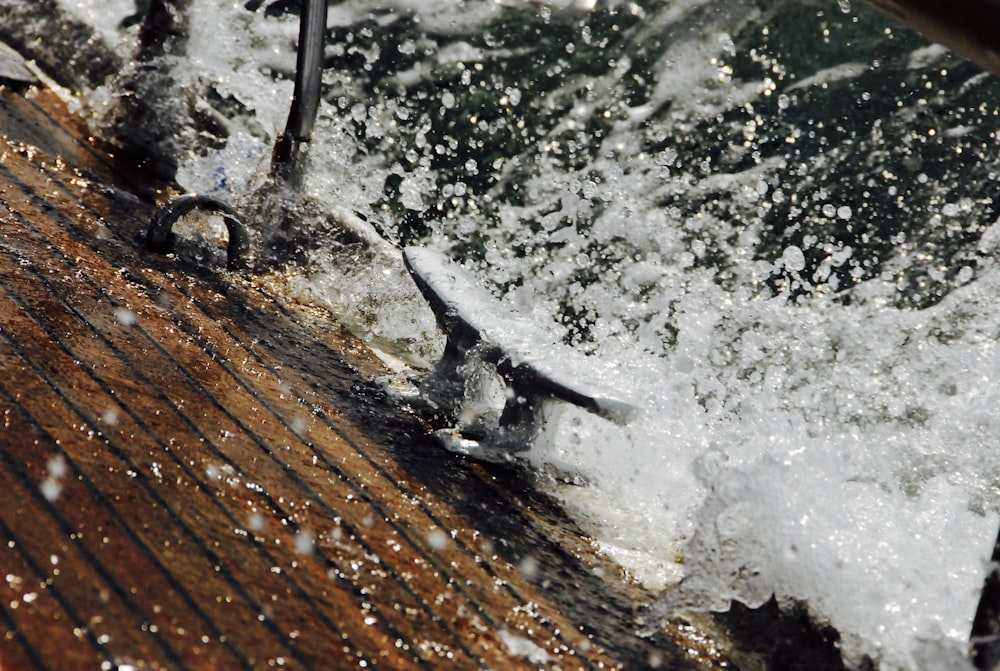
{"points": [[160, 237]]}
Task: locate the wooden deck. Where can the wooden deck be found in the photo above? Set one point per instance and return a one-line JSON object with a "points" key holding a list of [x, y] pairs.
{"points": [[195, 477]]}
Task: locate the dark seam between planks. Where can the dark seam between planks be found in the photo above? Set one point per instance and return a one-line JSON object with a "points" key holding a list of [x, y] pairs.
{"points": [[209, 554], [102, 500], [17, 470], [274, 504], [12, 626], [15, 635], [140, 477], [102, 159]]}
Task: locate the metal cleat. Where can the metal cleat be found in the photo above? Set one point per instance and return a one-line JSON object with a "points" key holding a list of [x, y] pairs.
{"points": [[535, 371]]}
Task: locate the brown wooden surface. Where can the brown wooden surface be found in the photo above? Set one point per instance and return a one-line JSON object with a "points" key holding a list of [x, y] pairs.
{"points": [[194, 427]]}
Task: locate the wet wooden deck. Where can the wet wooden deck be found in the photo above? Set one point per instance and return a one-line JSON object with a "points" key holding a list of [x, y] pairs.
{"points": [[194, 477]]}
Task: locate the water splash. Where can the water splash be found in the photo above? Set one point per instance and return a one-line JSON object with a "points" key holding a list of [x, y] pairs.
{"points": [[775, 220]]}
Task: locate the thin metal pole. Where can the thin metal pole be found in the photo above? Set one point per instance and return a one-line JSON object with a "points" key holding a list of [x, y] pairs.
{"points": [[288, 156]]}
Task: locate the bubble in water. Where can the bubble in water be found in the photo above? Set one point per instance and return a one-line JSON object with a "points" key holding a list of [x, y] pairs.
{"points": [[666, 157], [727, 44], [793, 259]]}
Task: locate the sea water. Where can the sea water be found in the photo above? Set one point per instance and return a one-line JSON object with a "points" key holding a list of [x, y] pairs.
{"points": [[771, 222]]}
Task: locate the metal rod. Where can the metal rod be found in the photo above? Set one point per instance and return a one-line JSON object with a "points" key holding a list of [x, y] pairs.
{"points": [[287, 158]]}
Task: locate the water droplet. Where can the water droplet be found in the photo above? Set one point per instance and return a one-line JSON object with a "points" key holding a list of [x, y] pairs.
{"points": [[57, 466], [437, 539], [727, 44], [304, 542], [793, 259], [125, 316], [528, 567]]}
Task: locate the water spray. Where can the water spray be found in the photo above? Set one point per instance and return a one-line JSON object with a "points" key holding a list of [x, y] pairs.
{"points": [[288, 159]]}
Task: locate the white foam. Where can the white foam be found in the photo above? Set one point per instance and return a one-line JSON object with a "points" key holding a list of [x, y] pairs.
{"points": [[104, 15]]}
